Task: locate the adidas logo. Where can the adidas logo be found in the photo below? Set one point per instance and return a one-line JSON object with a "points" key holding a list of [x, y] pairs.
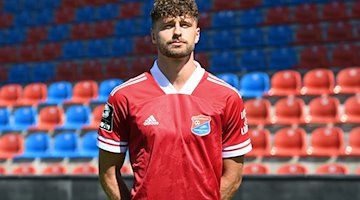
{"points": [[151, 121]]}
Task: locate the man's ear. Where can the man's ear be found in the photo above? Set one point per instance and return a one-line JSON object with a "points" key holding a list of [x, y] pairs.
{"points": [[153, 36], [197, 35]]}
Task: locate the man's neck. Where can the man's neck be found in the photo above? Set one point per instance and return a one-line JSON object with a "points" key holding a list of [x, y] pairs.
{"points": [[177, 71]]}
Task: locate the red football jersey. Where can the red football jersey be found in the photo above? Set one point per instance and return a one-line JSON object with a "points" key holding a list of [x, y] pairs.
{"points": [[176, 139]]}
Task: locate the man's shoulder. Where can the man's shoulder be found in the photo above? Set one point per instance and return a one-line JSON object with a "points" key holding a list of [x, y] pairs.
{"points": [[132, 85]]}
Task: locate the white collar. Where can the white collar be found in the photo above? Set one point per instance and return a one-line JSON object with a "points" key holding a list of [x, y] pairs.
{"points": [[188, 87]]}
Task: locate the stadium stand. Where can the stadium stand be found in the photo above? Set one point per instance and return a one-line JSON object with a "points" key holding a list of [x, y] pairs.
{"points": [[333, 168], [256, 169], [289, 142], [289, 111], [260, 141], [285, 82], [24, 169], [326, 141], [11, 144], [54, 169], [292, 169]]}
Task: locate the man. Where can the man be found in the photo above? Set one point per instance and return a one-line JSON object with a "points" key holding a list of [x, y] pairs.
{"points": [[184, 128]]}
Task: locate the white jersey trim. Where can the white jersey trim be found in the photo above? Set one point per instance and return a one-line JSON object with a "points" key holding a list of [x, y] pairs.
{"points": [[111, 148], [239, 152], [238, 146], [132, 81], [101, 138]]}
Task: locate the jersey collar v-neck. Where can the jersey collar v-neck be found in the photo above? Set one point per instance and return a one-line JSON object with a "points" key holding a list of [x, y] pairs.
{"points": [[188, 87]]}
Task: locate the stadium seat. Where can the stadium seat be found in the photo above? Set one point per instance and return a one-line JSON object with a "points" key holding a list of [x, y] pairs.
{"points": [[90, 69], [306, 13], [289, 142], [223, 62], [205, 20], [97, 48], [6, 20], [4, 118], [334, 11], [326, 142], [355, 10], [116, 68], [33, 94], [85, 14], [78, 33], [353, 147], [348, 81], [23, 19], [257, 111], [283, 58], [272, 3], [254, 59], [323, 110], [24, 117], [260, 141], [59, 92], [289, 111], [73, 49], [89, 149], [205, 43], [256, 169], [339, 32], [351, 110], [285, 82], [76, 116], [249, 4], [224, 19], [37, 34], [130, 10], [108, 11], [65, 145], [250, 37], [251, 17], [85, 169], [331, 169], [8, 54], [308, 34], [42, 72], [105, 87], [219, 5], [64, 14], [49, 118], [29, 52], [24, 169], [203, 59], [59, 32], [104, 29], [96, 116], [10, 94], [37, 145], [318, 81], [66, 71], [11, 144], [225, 39], [140, 65], [83, 92], [3, 170], [18, 73], [121, 46], [277, 15], [144, 45], [313, 57], [254, 84], [292, 169], [345, 55], [230, 78], [54, 169]]}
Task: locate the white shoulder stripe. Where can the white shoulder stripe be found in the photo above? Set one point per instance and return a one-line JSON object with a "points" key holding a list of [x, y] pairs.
{"points": [[223, 84], [217, 78], [238, 146], [128, 83], [238, 152]]}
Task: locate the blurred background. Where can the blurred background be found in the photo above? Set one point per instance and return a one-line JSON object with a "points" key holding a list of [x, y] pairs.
{"points": [[295, 62]]}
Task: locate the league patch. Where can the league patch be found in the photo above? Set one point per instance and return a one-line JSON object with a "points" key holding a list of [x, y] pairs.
{"points": [[200, 125], [107, 118]]}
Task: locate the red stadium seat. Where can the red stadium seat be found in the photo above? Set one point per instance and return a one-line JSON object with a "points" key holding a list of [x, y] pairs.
{"points": [[33, 94], [332, 168], [285, 82], [353, 147], [126, 169], [255, 169], [318, 81], [348, 81], [64, 14], [2, 170], [24, 169], [11, 144], [292, 169], [49, 118], [29, 52], [91, 70], [355, 10], [247, 4], [103, 29], [203, 59], [37, 34], [96, 116], [66, 71], [205, 20], [323, 110], [260, 141], [54, 169], [83, 92], [130, 10], [117, 68], [10, 94], [326, 141], [289, 110], [258, 111], [140, 65], [357, 171], [334, 11], [308, 33], [6, 20], [277, 15], [289, 142], [85, 169], [224, 5], [144, 45], [352, 110], [78, 31], [345, 55], [313, 57], [339, 32], [71, 3], [306, 13], [50, 51]]}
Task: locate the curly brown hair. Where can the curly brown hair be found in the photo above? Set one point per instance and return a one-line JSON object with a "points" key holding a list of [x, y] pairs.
{"points": [[174, 8]]}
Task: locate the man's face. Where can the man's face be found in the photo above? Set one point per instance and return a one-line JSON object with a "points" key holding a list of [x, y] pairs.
{"points": [[175, 37]]}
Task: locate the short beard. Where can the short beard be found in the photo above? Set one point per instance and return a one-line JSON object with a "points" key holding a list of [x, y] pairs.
{"points": [[176, 54]]}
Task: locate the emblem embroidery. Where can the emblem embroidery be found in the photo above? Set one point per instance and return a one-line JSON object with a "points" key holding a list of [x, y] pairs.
{"points": [[200, 125], [107, 118]]}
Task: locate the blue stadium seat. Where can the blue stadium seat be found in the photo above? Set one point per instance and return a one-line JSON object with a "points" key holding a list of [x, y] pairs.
{"points": [[124, 28], [42, 72], [223, 62], [37, 145], [224, 19], [254, 84], [89, 148], [15, 35], [58, 32], [105, 88], [251, 37], [225, 39], [300, 1], [18, 73], [108, 12], [85, 14], [251, 17], [274, 2], [146, 8], [12, 6], [23, 19], [97, 48], [4, 119], [76, 116], [283, 58], [32, 4], [254, 59], [66, 145], [204, 5], [230, 78], [59, 92], [280, 35], [145, 26], [24, 117], [73, 49], [205, 42], [43, 17], [121, 46], [50, 4]]}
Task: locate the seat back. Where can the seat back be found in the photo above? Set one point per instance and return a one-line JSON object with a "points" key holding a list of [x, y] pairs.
{"points": [[84, 91], [257, 111], [230, 78], [89, 141], [289, 110], [11, 144], [254, 84], [50, 117], [285, 82], [348, 81], [59, 92], [66, 142], [289, 142], [351, 110], [260, 141], [10, 93], [292, 169], [326, 141], [255, 169], [77, 115], [37, 142], [107, 86], [323, 110], [34, 93], [332, 168], [318, 81]]}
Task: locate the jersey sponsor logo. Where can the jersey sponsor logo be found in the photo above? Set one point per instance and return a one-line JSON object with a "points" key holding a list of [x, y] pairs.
{"points": [[151, 121], [200, 125], [107, 118]]}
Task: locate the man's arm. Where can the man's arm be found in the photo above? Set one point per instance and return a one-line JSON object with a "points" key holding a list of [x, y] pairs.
{"points": [[231, 176], [110, 177]]}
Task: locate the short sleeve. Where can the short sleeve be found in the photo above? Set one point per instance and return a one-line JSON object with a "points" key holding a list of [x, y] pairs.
{"points": [[113, 131], [235, 138]]}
